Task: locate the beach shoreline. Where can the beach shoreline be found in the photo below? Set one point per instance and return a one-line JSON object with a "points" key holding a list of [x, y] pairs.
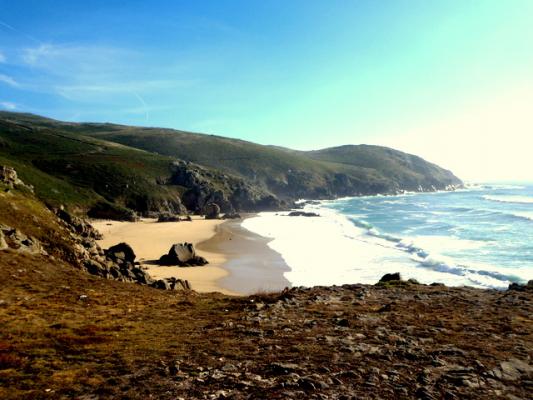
{"points": [[240, 262], [251, 265]]}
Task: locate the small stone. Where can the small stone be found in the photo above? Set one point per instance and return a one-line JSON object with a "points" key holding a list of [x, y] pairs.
{"points": [[342, 322]]}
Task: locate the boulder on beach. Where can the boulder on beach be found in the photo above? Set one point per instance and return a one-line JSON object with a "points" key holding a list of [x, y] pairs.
{"points": [[231, 216], [121, 253], [182, 254], [167, 217], [212, 211], [302, 214]]}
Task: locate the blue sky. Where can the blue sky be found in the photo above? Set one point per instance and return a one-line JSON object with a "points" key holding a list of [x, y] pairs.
{"points": [[451, 81]]}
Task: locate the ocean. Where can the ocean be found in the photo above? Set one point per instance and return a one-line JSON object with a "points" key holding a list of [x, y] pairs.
{"points": [[481, 236]]}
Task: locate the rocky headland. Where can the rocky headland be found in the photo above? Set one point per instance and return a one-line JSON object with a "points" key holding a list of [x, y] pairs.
{"points": [[118, 172]]}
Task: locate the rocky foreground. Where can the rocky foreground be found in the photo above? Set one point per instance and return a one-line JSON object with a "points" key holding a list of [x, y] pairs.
{"points": [[67, 334]]}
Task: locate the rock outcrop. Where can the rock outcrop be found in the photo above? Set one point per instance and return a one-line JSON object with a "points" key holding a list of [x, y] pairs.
{"points": [[171, 284], [232, 216], [121, 252], [9, 177], [390, 277], [167, 217], [104, 210], [11, 238], [117, 262], [183, 255], [212, 211], [229, 192], [521, 288], [78, 225], [302, 214], [120, 265]]}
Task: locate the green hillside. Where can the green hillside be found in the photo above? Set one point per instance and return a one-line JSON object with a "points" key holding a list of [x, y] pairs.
{"points": [[412, 171], [83, 172], [345, 170], [96, 167]]}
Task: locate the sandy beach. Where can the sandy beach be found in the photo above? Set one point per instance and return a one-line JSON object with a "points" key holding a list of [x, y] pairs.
{"points": [[240, 262], [250, 265]]}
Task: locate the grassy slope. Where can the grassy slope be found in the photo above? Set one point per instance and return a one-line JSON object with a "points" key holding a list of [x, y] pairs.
{"points": [[273, 165], [78, 171], [288, 173], [21, 210], [407, 168], [268, 167], [369, 169]]}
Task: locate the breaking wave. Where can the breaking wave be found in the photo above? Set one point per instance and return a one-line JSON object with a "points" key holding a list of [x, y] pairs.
{"points": [[509, 199]]}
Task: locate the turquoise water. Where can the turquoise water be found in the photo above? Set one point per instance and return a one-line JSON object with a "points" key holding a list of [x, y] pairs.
{"points": [[481, 236], [486, 230]]}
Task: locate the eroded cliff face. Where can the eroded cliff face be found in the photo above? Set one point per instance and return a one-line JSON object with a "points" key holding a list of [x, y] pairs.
{"points": [[206, 185], [230, 193]]}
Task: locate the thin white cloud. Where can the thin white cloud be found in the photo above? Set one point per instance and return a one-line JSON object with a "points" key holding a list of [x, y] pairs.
{"points": [[32, 55], [8, 105], [11, 28], [2, 23], [144, 105], [76, 58], [70, 91], [3, 58], [8, 80], [120, 78]]}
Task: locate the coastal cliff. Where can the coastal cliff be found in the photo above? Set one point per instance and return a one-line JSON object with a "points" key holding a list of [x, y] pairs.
{"points": [[115, 171]]}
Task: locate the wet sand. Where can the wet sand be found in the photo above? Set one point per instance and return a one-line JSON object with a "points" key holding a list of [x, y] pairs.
{"points": [[240, 262], [252, 266]]}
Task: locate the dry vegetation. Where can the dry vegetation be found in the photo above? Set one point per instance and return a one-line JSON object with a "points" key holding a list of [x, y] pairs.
{"points": [[66, 334]]}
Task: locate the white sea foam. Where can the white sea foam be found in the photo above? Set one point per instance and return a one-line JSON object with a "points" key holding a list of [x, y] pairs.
{"points": [[528, 215], [332, 250], [324, 251], [503, 187], [440, 244], [490, 186], [510, 199], [524, 215]]}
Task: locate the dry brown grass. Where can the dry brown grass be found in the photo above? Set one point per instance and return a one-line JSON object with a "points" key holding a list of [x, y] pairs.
{"points": [[129, 341]]}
